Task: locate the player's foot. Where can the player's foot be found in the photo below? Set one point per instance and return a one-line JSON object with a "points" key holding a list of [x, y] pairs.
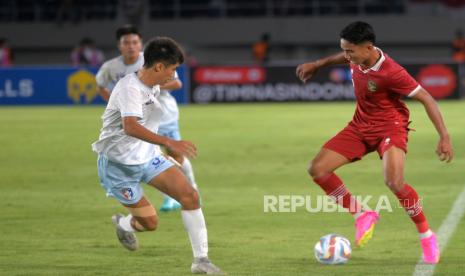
{"points": [[364, 227], [126, 238], [205, 266], [430, 249], [169, 204]]}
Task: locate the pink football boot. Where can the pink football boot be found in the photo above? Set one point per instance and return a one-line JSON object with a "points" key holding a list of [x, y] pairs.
{"points": [[364, 227], [430, 250]]}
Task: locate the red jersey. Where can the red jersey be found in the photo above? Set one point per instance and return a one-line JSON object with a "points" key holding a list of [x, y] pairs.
{"points": [[378, 91]]}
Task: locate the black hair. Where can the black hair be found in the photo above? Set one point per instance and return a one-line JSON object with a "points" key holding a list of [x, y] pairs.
{"points": [[125, 30], [358, 32], [164, 50]]}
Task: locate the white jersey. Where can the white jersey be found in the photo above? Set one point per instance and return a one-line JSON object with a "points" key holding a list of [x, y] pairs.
{"points": [[115, 69], [130, 97], [170, 106]]}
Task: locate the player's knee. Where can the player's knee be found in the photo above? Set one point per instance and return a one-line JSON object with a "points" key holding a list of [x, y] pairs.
{"points": [[316, 170], [395, 184], [150, 223], [190, 200]]}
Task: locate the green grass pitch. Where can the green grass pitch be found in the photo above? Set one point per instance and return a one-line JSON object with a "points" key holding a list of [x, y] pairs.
{"points": [[55, 218]]}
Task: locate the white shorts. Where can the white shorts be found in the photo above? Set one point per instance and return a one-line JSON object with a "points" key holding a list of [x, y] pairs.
{"points": [[170, 130], [123, 181]]}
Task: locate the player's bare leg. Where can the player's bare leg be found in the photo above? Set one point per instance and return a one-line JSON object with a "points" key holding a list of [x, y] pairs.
{"points": [[170, 204], [393, 168], [174, 183], [322, 170], [186, 167], [393, 165], [326, 162], [142, 217]]}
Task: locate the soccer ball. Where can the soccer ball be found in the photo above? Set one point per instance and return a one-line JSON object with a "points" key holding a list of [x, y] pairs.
{"points": [[332, 249]]}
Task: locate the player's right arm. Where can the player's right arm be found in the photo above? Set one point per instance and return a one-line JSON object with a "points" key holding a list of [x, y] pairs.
{"points": [[306, 71], [104, 93], [132, 128], [103, 79], [444, 148]]}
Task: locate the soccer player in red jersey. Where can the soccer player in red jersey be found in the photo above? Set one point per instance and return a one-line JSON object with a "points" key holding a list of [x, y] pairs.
{"points": [[380, 123]]}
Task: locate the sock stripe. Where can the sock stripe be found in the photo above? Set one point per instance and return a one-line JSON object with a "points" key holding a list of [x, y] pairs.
{"points": [[335, 188], [409, 199], [416, 209], [341, 190]]}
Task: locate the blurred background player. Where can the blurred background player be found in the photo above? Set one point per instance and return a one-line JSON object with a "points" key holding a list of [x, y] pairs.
{"points": [[380, 123], [129, 42], [458, 53], [261, 49], [458, 47], [87, 54], [6, 55], [128, 153], [131, 59]]}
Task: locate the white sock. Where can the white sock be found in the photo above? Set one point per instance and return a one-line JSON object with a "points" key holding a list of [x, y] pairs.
{"points": [[125, 223], [426, 234], [194, 222], [186, 168]]}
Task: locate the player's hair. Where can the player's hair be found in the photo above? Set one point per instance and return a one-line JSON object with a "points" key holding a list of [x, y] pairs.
{"points": [[125, 30], [164, 50], [358, 32]]}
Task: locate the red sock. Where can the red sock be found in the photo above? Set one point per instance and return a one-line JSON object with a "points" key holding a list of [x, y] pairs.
{"points": [[408, 197], [334, 188]]}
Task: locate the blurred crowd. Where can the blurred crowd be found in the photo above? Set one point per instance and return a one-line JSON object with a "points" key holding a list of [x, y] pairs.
{"points": [[88, 53]]}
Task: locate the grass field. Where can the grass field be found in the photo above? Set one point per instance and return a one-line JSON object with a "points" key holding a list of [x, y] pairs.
{"points": [[55, 219]]}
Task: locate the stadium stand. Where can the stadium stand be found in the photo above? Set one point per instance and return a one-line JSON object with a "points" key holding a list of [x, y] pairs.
{"points": [[300, 29]]}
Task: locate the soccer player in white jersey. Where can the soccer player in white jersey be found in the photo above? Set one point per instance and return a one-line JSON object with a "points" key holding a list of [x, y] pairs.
{"points": [[131, 59], [128, 153]]}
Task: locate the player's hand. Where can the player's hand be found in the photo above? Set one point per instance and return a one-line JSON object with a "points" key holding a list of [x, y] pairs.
{"points": [[444, 150], [184, 148], [305, 71]]}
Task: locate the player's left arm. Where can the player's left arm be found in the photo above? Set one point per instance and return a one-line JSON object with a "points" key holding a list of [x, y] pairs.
{"points": [[444, 149]]}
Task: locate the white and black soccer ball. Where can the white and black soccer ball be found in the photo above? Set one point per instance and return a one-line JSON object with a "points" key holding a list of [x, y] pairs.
{"points": [[333, 249]]}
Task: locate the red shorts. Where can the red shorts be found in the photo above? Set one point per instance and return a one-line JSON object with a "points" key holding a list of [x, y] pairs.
{"points": [[354, 143]]}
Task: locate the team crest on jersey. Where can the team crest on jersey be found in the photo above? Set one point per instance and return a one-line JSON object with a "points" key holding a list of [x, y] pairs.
{"points": [[372, 86], [127, 193]]}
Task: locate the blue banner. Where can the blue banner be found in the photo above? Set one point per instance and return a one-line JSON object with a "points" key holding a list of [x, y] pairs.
{"points": [[182, 95], [60, 86]]}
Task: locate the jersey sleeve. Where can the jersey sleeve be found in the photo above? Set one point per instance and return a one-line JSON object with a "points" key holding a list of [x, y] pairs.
{"points": [[103, 76], [404, 84], [130, 102]]}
